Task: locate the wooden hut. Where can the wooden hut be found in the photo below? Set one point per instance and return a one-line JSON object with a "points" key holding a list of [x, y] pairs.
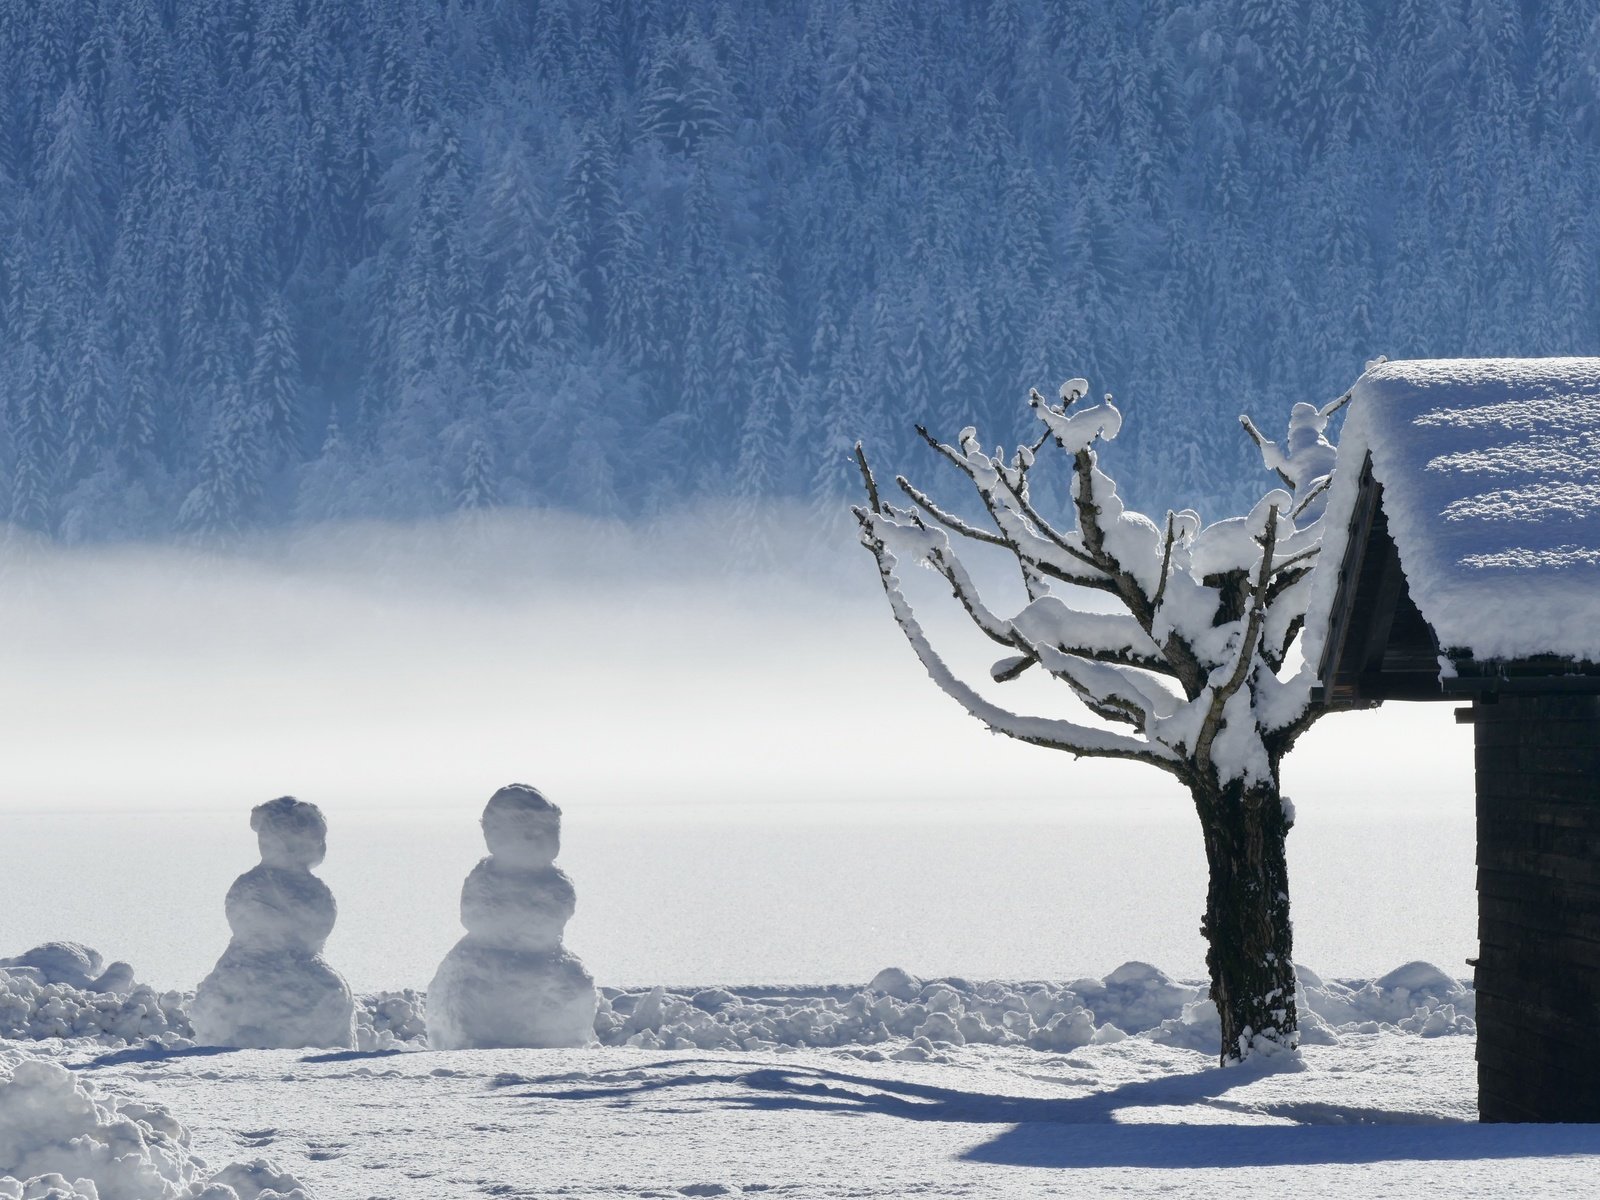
{"points": [[1465, 527]]}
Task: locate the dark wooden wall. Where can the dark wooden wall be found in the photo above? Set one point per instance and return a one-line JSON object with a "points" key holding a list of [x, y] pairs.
{"points": [[1538, 975]]}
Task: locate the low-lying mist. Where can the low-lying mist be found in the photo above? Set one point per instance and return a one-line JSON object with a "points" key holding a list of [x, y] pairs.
{"points": [[422, 666], [758, 778]]}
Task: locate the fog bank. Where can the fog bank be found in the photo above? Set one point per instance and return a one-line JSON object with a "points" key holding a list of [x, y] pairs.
{"points": [[422, 666]]}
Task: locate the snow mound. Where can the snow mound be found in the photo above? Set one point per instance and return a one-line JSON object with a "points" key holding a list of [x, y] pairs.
{"points": [[33, 1009], [58, 990], [62, 1138], [73, 964], [255, 1180], [919, 1016], [391, 1020], [1135, 1000], [1414, 998]]}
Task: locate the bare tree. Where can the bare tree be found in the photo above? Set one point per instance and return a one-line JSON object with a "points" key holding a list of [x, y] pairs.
{"points": [[1189, 671]]}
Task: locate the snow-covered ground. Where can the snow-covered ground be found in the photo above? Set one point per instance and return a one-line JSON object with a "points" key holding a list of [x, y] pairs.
{"points": [[1380, 1114], [902, 1087]]}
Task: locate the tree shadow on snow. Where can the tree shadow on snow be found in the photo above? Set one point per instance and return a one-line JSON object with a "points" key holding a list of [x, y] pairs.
{"points": [[1085, 1131], [148, 1052], [331, 1056], [157, 1053]]}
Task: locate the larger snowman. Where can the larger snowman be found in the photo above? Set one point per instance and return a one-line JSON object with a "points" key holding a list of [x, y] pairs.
{"points": [[509, 981]]}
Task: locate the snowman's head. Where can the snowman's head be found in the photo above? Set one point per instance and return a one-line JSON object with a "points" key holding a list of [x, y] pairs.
{"points": [[291, 832], [522, 827]]}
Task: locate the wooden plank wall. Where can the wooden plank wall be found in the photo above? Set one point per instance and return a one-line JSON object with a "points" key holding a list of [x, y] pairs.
{"points": [[1538, 975]]}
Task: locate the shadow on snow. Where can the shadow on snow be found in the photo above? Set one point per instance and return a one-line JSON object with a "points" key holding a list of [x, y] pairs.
{"points": [[1085, 1131]]}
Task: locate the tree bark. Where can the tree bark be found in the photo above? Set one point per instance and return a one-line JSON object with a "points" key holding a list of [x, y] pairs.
{"points": [[1249, 941]]}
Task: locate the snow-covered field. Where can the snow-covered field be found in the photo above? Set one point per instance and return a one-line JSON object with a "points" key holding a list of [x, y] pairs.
{"points": [[902, 1087], [1382, 1114], [1370, 1109]]}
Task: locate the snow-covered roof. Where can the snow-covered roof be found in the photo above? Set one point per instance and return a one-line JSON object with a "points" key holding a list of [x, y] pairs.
{"points": [[1490, 471]]}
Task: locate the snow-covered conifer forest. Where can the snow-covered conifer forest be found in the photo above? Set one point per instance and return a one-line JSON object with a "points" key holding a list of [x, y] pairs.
{"points": [[279, 261]]}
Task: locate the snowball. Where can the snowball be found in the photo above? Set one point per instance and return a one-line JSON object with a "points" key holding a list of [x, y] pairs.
{"points": [[892, 981], [509, 982], [1135, 1000], [53, 990], [521, 827], [388, 1020], [290, 832]]}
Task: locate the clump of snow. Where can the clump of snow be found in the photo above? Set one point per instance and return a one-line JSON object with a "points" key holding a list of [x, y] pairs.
{"points": [[892, 981], [73, 964], [1414, 998], [1305, 457], [272, 988], [926, 1017], [255, 1180], [509, 981], [1487, 467], [62, 1138], [391, 1020], [59, 990], [31, 1008]]}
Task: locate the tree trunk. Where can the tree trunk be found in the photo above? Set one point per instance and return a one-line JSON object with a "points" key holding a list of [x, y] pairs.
{"points": [[1249, 942]]}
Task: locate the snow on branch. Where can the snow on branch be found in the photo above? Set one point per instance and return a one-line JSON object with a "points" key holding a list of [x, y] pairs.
{"points": [[882, 530], [1208, 613]]}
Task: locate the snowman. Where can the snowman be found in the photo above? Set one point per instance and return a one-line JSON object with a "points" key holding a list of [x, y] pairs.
{"points": [[509, 981], [272, 989]]}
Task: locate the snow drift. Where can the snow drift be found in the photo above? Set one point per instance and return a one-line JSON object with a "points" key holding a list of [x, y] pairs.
{"points": [[896, 1014], [62, 1138], [900, 1016]]}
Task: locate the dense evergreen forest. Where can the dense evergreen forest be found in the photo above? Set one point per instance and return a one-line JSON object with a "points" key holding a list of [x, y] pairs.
{"points": [[267, 261]]}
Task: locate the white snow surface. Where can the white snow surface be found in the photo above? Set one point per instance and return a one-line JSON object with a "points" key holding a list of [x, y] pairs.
{"points": [[1491, 483], [932, 1087], [1377, 1114]]}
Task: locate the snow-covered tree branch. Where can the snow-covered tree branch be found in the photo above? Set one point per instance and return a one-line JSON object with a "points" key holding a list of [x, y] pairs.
{"points": [[1190, 671]]}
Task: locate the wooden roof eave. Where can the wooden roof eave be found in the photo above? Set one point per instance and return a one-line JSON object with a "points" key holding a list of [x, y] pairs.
{"points": [[1379, 645]]}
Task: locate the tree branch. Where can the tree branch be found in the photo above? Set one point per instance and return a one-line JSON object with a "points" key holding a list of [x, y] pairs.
{"points": [[1268, 447], [949, 520], [1076, 739], [1246, 652], [867, 480]]}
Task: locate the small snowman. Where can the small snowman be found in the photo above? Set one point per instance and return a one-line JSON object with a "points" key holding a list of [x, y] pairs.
{"points": [[509, 981], [272, 989]]}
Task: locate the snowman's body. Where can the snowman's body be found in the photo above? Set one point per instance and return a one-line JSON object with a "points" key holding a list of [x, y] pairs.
{"points": [[272, 989], [509, 981]]}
